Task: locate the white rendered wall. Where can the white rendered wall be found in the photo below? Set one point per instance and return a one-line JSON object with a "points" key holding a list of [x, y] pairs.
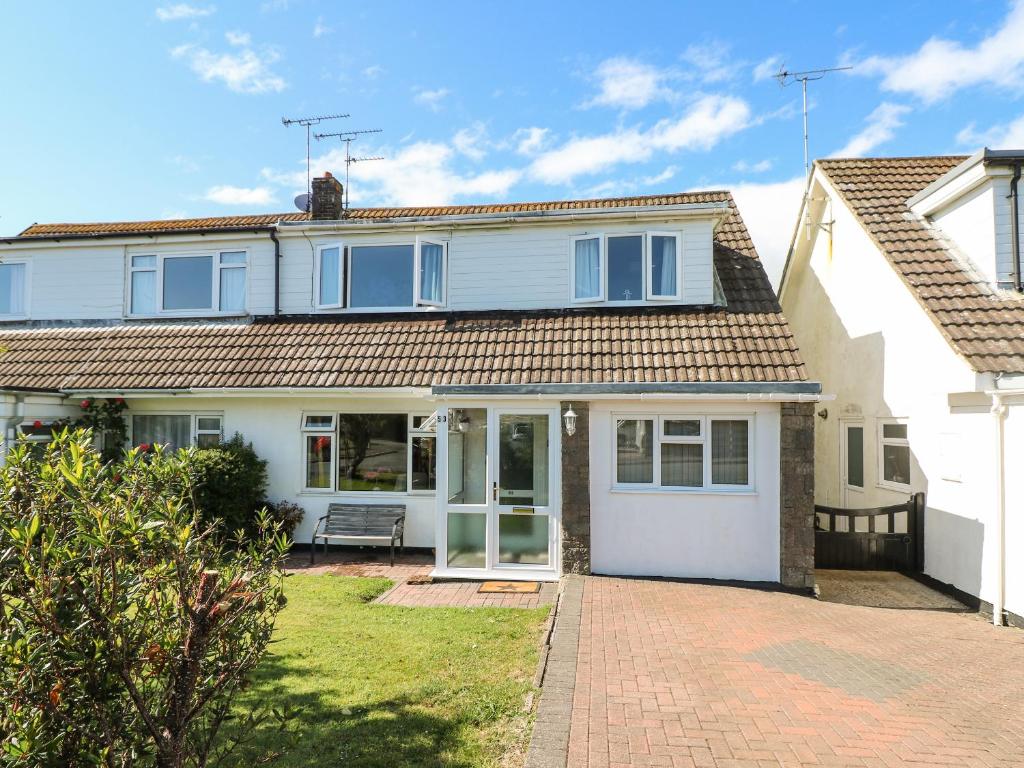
{"points": [[718, 535], [969, 222]]}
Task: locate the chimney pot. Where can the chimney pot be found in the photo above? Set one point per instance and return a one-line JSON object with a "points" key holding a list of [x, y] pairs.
{"points": [[328, 200]]}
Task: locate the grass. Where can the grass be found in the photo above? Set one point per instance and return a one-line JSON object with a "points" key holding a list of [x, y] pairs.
{"points": [[381, 685]]}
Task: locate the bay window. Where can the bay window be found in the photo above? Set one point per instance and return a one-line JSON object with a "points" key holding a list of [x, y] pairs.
{"points": [[682, 452], [188, 283], [394, 276], [369, 452], [13, 289], [893, 454], [626, 268], [176, 430]]}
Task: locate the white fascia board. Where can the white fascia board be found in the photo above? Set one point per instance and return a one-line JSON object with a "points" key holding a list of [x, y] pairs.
{"points": [[334, 392], [938, 195]]}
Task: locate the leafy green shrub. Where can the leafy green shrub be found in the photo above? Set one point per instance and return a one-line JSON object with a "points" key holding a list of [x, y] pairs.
{"points": [[230, 485], [285, 514], [127, 629]]}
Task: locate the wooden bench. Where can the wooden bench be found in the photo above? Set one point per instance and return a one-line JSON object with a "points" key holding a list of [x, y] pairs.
{"points": [[371, 522]]}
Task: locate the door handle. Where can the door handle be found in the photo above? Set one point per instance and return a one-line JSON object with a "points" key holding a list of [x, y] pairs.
{"points": [[495, 491]]}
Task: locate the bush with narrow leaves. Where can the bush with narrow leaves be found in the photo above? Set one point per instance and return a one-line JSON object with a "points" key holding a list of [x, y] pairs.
{"points": [[127, 627]]}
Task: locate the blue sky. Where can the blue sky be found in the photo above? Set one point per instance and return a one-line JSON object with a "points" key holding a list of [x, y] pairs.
{"points": [[173, 109]]}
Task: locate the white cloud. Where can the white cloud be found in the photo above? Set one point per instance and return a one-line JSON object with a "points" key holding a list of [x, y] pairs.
{"points": [[1007, 136], [373, 71], [711, 62], [238, 38], [181, 11], [660, 178], [228, 195], [881, 127], [244, 71], [185, 163], [941, 67], [472, 141], [759, 167], [530, 140], [770, 211], [767, 68], [708, 121], [628, 84], [431, 98], [320, 28]]}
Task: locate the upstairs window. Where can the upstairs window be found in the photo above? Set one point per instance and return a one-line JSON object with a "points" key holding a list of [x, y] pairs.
{"points": [[188, 283], [396, 276], [13, 289], [628, 268]]}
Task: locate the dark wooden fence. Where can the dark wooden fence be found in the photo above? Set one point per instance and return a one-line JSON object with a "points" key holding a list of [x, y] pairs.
{"points": [[873, 549]]}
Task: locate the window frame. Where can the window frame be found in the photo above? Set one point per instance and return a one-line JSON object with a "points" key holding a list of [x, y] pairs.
{"points": [[348, 275], [660, 438], [411, 433], [602, 260], [307, 431], [643, 270], [193, 426], [883, 441], [215, 267], [219, 431], [417, 295], [25, 300], [342, 275], [649, 294]]}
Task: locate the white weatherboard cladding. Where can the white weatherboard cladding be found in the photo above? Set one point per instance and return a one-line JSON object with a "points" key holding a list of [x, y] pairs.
{"points": [[863, 334], [720, 535]]}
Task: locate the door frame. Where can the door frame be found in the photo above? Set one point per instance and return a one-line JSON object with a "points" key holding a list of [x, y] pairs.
{"points": [[850, 496], [493, 569]]}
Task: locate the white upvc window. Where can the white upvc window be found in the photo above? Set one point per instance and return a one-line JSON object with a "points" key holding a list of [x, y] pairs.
{"points": [[329, 288], [586, 268], [14, 289], [177, 430], [318, 451], [431, 272], [188, 283], [664, 265], [894, 454], [681, 452]]}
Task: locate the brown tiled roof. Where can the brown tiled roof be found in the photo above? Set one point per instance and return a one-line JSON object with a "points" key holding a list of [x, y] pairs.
{"points": [[985, 326], [364, 214], [748, 341]]}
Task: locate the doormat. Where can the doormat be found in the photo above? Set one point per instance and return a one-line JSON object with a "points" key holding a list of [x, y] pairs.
{"points": [[511, 587]]}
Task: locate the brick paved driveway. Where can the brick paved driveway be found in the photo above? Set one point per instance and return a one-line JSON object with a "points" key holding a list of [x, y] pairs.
{"points": [[677, 674]]}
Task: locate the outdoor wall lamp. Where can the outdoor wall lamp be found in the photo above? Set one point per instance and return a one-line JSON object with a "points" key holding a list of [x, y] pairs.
{"points": [[823, 414], [570, 421]]}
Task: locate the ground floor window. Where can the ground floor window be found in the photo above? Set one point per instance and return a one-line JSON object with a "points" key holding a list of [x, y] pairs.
{"points": [[177, 430], [893, 453], [369, 452], [683, 452]]}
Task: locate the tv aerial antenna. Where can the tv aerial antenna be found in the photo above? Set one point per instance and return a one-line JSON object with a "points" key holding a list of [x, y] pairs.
{"points": [[307, 122], [348, 137], [785, 77]]}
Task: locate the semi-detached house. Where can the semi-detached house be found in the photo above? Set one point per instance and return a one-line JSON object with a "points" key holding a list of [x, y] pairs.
{"points": [[590, 385]]}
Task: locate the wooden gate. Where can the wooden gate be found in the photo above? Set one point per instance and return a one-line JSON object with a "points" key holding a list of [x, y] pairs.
{"points": [[841, 541]]}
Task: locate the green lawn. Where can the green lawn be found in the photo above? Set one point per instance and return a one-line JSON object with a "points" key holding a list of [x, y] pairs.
{"points": [[387, 686]]}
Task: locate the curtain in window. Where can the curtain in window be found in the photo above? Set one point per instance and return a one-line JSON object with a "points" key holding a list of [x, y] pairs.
{"points": [[232, 289], [682, 465], [729, 453], [172, 431], [144, 293], [663, 265], [330, 276], [431, 271], [12, 289], [588, 269]]}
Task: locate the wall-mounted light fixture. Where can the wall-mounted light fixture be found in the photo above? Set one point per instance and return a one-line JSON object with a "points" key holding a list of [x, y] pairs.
{"points": [[569, 417], [823, 414]]}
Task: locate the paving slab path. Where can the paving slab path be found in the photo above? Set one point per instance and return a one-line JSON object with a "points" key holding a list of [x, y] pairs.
{"points": [[681, 674]]}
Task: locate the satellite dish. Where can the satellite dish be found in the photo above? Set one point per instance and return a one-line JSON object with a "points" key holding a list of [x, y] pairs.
{"points": [[302, 202]]}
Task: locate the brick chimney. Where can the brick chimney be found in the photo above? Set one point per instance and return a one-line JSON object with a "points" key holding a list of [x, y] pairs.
{"points": [[327, 198]]}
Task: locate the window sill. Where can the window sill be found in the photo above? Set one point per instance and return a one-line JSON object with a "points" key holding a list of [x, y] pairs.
{"points": [[652, 491], [187, 315], [365, 494], [13, 318], [376, 310], [889, 486]]}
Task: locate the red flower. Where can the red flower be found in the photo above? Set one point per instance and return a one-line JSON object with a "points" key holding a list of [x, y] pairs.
{"points": [[144, 447], [117, 477], [85, 403], [37, 424], [119, 400]]}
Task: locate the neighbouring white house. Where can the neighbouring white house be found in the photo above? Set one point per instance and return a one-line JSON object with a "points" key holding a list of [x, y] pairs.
{"points": [[903, 286], [591, 385]]}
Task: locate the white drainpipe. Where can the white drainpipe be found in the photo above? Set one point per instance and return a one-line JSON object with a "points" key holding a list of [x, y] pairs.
{"points": [[999, 602]]}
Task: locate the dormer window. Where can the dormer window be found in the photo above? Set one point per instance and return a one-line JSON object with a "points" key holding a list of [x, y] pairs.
{"points": [[13, 289], [384, 276], [188, 283], [626, 269]]}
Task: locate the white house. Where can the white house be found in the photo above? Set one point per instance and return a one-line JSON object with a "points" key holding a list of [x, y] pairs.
{"points": [[903, 286], [434, 357]]}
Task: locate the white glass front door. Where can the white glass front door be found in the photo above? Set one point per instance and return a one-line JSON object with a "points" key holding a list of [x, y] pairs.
{"points": [[499, 506]]}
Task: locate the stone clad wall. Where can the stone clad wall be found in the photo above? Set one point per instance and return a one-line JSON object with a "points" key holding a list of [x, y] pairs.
{"points": [[796, 496], [576, 492]]}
